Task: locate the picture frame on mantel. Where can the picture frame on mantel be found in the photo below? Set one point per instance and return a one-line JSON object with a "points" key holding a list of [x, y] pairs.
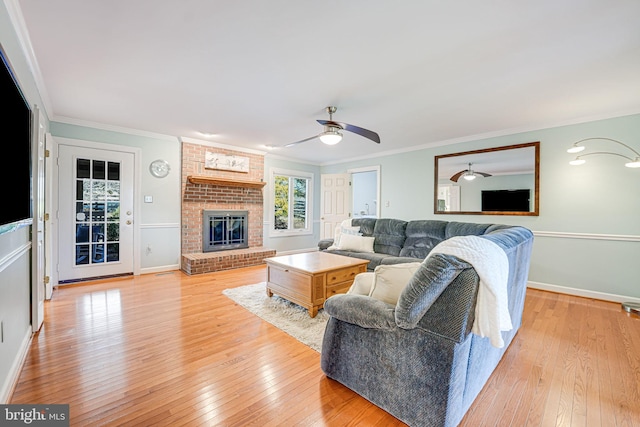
{"points": [[225, 162]]}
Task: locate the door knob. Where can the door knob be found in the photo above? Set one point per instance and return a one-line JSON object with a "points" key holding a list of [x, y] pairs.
{"points": [[128, 222]]}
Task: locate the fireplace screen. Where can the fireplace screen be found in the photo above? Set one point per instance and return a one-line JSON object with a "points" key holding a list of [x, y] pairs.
{"points": [[222, 230]]}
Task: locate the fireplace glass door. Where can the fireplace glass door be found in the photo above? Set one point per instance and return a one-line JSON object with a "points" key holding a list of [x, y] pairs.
{"points": [[224, 230]]}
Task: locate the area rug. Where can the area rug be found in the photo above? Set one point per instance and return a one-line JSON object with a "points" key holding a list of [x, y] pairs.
{"points": [[287, 316]]}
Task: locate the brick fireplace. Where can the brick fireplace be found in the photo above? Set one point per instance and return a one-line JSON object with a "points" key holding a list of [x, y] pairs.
{"points": [[213, 189]]}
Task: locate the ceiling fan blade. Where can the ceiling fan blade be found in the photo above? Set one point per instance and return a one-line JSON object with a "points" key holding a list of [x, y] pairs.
{"points": [[291, 144], [457, 176], [482, 173], [369, 134]]}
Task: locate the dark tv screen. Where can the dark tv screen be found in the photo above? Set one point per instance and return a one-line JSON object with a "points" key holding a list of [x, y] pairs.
{"points": [[15, 126], [506, 200]]}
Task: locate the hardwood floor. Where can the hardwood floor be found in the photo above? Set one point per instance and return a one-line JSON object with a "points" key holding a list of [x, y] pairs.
{"points": [[170, 349]]}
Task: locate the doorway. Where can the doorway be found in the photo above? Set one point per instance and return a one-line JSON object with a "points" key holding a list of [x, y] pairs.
{"points": [[354, 194], [365, 192]]}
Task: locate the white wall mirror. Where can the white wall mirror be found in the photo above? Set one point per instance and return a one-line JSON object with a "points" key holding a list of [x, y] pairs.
{"points": [[493, 181]]}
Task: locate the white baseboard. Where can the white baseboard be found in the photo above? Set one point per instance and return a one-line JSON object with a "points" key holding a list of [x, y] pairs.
{"points": [[296, 251], [582, 292], [16, 367], [160, 269]]}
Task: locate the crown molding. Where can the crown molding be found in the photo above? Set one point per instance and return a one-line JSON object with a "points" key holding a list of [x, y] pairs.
{"points": [[223, 146], [111, 128]]}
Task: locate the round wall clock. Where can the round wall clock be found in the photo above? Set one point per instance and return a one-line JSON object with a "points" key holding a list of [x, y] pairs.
{"points": [[159, 168]]}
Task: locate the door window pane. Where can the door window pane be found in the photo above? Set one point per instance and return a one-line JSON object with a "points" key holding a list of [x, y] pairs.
{"points": [[98, 169], [113, 252], [113, 171], [83, 167], [82, 233], [82, 254]]}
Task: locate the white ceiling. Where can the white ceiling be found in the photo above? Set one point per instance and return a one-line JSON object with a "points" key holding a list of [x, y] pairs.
{"points": [[260, 72]]}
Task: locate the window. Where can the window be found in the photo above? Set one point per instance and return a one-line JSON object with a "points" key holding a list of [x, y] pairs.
{"points": [[291, 207]]}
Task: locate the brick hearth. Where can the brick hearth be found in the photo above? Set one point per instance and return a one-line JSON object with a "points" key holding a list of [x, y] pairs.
{"points": [[197, 197], [198, 263]]}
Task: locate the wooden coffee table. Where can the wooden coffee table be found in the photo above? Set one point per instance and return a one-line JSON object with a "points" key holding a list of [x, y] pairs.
{"points": [[309, 278]]}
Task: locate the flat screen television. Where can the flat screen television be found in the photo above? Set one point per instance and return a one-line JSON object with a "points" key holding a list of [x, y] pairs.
{"points": [[506, 200], [15, 131]]}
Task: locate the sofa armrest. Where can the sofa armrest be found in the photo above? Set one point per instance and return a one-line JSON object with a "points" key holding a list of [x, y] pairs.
{"points": [[362, 311], [324, 244]]}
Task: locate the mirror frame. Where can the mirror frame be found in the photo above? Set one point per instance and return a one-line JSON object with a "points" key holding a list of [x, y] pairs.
{"points": [[536, 206]]}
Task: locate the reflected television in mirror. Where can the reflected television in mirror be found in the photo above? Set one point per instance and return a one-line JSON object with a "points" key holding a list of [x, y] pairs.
{"points": [[493, 181], [506, 200]]}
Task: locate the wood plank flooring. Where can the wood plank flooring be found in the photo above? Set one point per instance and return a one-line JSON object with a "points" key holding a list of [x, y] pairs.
{"points": [[170, 349]]}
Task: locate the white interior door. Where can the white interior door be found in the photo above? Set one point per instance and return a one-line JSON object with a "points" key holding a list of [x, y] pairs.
{"points": [[37, 234], [49, 223], [335, 201], [95, 213]]}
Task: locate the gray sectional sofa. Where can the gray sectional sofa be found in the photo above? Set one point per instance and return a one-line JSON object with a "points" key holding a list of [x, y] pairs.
{"points": [[419, 359]]}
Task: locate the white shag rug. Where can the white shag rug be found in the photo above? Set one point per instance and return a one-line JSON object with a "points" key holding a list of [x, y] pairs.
{"points": [[285, 315]]}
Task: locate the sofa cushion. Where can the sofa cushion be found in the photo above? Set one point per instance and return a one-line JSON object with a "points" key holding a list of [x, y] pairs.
{"points": [[422, 236], [390, 280], [355, 243], [390, 236], [366, 225]]}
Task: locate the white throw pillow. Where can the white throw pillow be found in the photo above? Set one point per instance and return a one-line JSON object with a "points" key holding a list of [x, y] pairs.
{"points": [[349, 242], [390, 281], [345, 227], [362, 284]]}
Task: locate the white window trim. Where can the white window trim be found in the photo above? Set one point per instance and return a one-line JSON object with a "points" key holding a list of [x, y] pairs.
{"points": [[297, 174]]}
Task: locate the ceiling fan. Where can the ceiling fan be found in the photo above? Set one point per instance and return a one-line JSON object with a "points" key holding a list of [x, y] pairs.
{"points": [[468, 174], [332, 134]]}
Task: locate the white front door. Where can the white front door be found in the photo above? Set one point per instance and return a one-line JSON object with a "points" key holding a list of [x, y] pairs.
{"points": [[95, 213], [335, 201]]}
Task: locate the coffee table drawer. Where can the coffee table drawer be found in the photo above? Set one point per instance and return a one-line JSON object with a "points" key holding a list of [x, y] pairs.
{"points": [[340, 288], [291, 280], [344, 274]]}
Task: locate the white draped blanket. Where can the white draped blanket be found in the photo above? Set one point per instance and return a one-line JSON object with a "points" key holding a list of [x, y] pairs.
{"points": [[491, 264]]}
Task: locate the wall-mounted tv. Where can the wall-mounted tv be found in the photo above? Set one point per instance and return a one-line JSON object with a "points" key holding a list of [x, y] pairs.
{"points": [[15, 131], [506, 200]]}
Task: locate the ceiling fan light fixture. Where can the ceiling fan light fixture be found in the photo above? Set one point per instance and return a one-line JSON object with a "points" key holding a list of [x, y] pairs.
{"points": [[331, 137], [469, 176], [633, 164], [576, 149]]}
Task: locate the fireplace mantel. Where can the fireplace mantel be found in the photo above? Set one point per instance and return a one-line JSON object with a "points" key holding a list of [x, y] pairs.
{"points": [[210, 180]]}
